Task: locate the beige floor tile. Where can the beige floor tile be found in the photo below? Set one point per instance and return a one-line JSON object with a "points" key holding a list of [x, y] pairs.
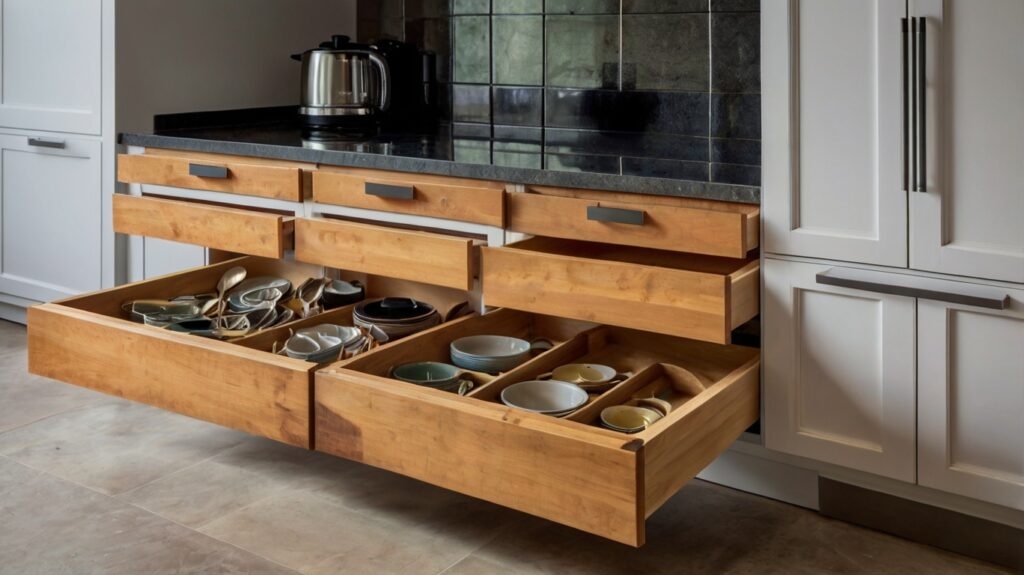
{"points": [[51, 526], [12, 337], [25, 398], [114, 447]]}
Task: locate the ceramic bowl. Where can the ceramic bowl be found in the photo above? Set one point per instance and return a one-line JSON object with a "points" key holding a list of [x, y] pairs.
{"points": [[550, 397], [322, 342], [396, 317], [628, 418], [489, 353], [252, 292], [589, 376], [435, 375], [340, 293]]}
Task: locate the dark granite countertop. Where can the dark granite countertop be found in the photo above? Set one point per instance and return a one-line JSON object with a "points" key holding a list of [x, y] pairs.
{"points": [[275, 134]]}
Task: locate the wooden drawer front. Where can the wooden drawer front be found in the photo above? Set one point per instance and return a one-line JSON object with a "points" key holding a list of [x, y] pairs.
{"points": [[230, 229], [85, 341], [566, 470], [696, 297], [412, 255], [473, 201], [677, 224], [233, 175]]}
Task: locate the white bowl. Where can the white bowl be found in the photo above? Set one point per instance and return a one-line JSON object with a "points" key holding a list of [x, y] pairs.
{"points": [[547, 396], [490, 346]]}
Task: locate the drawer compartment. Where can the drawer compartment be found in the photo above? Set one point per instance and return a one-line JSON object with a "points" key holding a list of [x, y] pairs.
{"points": [[229, 229], [570, 471], [476, 201], [693, 296], [661, 222], [427, 257], [215, 173]]}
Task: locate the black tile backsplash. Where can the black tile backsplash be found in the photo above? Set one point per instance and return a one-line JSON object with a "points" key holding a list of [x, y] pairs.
{"points": [[655, 88]]}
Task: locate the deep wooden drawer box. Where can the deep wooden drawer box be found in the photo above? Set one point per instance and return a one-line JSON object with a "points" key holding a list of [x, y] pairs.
{"points": [[567, 470], [662, 222], [476, 201], [213, 172], [231, 229], [693, 296], [428, 257]]}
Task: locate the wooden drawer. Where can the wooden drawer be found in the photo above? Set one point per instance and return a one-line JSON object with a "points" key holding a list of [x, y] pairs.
{"points": [[476, 201], [693, 296], [230, 229], [428, 257], [566, 470], [668, 223], [213, 172]]}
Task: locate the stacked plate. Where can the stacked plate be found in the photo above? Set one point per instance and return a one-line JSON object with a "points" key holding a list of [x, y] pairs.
{"points": [[323, 343], [489, 353], [258, 292], [396, 317], [549, 397], [340, 293], [629, 418]]}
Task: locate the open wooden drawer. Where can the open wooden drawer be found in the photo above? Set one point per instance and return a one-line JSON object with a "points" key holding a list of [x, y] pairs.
{"points": [[424, 256], [215, 172], [686, 295], [476, 201], [89, 341], [662, 222], [567, 470], [227, 228]]}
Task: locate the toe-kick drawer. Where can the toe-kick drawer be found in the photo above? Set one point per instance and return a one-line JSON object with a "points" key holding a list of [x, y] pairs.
{"points": [[661, 222], [569, 470], [427, 257], [693, 296], [231, 229], [215, 173]]}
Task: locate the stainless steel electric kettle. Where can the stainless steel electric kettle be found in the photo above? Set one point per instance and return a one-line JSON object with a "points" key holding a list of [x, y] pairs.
{"points": [[343, 84]]}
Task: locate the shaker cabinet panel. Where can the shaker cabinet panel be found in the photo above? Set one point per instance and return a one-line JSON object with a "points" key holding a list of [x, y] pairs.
{"points": [[971, 400], [967, 219], [832, 115], [50, 65], [839, 372]]}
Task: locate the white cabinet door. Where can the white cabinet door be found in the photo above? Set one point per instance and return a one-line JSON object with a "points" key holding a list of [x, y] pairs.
{"points": [[968, 220], [50, 65], [162, 257], [971, 400], [838, 372], [50, 217], [831, 114]]}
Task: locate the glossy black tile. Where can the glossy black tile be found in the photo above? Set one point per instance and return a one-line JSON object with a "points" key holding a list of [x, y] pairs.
{"points": [[378, 19], [663, 6], [735, 5], [518, 7], [639, 144], [736, 116], [433, 34], [736, 174], [582, 51], [472, 36], [581, 6], [669, 51], [671, 169], [519, 134], [518, 50], [736, 52], [472, 131], [732, 151], [471, 103], [666, 112], [582, 163], [518, 106]]}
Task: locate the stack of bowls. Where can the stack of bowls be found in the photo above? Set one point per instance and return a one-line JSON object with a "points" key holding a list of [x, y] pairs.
{"points": [[629, 418], [340, 293], [434, 375], [549, 397], [489, 353], [323, 343], [396, 317]]}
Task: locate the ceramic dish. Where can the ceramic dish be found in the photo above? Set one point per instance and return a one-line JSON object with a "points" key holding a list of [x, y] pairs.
{"points": [[340, 293], [550, 397], [492, 353], [628, 418], [322, 343], [396, 317], [435, 375], [252, 292], [592, 377]]}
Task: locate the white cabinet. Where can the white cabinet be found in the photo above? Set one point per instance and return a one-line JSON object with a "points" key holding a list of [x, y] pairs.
{"points": [[968, 220], [971, 400], [831, 114], [162, 257], [51, 214], [51, 64], [838, 372]]}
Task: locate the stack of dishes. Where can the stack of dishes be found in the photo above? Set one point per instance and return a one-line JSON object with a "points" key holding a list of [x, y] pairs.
{"points": [[549, 397], [323, 343], [396, 317], [340, 293], [259, 292], [489, 353], [629, 418], [434, 375]]}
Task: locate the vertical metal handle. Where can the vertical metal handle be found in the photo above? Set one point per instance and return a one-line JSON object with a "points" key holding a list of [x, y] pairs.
{"points": [[905, 51], [914, 108], [41, 143], [922, 99]]}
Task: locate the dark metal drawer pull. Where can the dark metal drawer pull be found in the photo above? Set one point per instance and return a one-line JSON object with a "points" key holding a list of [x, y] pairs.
{"points": [[389, 191], [41, 143], [204, 171], [615, 215], [910, 286]]}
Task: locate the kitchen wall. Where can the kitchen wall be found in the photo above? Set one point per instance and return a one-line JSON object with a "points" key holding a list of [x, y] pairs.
{"points": [[664, 88]]}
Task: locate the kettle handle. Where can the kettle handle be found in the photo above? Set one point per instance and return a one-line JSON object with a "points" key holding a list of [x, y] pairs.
{"points": [[385, 75]]}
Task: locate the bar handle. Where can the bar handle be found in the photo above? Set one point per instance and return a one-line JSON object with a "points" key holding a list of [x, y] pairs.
{"points": [[616, 215], [913, 85], [42, 143], [389, 191], [205, 171], [922, 102], [905, 50], [913, 286]]}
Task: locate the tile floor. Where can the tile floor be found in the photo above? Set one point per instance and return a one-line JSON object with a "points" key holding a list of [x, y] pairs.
{"points": [[94, 484]]}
